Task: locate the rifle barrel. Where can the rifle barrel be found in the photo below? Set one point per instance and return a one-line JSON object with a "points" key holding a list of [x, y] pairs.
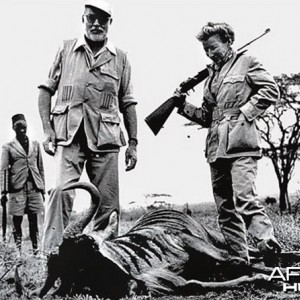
{"points": [[4, 213], [158, 117], [266, 31]]}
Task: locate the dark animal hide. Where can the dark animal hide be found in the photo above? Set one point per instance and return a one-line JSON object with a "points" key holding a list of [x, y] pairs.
{"points": [[166, 252]]}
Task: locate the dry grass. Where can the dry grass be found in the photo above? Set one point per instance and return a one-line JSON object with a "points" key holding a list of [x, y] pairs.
{"points": [[287, 230]]}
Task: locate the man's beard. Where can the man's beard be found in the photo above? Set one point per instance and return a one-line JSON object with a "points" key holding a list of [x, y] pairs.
{"points": [[96, 37]]}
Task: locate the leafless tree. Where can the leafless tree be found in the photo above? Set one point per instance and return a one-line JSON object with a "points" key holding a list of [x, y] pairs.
{"points": [[280, 131]]}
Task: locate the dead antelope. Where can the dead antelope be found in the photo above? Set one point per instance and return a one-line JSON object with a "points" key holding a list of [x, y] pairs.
{"points": [[166, 252]]}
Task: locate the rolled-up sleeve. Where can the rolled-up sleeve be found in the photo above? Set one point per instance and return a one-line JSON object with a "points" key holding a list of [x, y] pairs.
{"points": [[51, 84], [265, 91], [126, 91]]}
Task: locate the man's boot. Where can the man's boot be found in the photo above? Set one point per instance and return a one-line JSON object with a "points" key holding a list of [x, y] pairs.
{"points": [[18, 240], [34, 236], [33, 232]]}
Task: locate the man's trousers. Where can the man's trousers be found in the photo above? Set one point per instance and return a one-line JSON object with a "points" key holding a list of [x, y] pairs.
{"points": [[102, 170]]}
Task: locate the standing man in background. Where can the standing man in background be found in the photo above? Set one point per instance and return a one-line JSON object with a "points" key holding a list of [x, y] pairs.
{"points": [[237, 91], [92, 79], [22, 177]]}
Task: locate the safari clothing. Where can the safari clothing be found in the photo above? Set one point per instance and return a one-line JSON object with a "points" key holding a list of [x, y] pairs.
{"points": [[20, 166], [91, 91], [233, 183], [243, 91], [27, 200], [234, 96], [102, 170], [22, 177]]}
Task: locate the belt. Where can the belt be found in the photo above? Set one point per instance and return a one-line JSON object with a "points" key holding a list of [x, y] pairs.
{"points": [[220, 113]]}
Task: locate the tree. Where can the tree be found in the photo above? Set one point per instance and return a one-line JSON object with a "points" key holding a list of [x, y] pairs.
{"points": [[280, 131]]}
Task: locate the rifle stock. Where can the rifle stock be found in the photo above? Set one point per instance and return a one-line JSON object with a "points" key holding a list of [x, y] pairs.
{"points": [[4, 221], [3, 203], [158, 117]]}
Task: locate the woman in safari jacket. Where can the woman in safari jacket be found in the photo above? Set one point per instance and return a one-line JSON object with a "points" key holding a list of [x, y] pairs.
{"points": [[237, 91]]}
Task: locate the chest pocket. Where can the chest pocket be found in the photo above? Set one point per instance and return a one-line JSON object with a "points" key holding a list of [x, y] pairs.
{"points": [[67, 93], [234, 79], [109, 72], [108, 97], [233, 89]]}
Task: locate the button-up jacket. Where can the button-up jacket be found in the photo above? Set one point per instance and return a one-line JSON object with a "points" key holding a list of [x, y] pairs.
{"points": [[90, 88], [17, 165], [241, 91]]}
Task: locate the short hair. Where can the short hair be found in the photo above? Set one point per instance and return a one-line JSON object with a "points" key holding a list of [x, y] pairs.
{"points": [[222, 29]]}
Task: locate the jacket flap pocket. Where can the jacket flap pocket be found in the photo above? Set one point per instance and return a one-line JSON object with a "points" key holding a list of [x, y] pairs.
{"points": [[110, 118], [243, 136], [109, 72], [99, 86], [59, 109], [235, 78]]}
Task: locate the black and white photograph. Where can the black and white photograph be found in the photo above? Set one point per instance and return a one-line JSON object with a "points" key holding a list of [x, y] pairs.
{"points": [[150, 149]]}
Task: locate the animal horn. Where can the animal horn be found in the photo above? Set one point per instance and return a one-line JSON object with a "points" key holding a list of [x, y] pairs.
{"points": [[76, 227]]}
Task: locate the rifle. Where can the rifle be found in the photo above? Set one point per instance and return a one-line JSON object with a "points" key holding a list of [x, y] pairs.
{"points": [[159, 116], [4, 218], [4, 213]]}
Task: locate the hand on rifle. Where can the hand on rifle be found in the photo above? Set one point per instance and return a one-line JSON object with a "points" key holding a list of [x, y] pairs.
{"points": [[179, 97], [3, 199]]}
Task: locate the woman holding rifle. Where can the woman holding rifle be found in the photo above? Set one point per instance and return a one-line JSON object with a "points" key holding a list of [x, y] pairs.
{"points": [[237, 91]]}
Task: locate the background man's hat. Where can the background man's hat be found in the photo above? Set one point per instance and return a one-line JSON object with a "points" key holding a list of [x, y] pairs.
{"points": [[18, 118], [100, 4]]}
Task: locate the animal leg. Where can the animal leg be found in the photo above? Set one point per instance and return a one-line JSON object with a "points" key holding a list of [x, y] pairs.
{"points": [[196, 285], [257, 268]]}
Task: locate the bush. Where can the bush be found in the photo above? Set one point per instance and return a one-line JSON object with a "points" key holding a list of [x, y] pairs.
{"points": [[270, 200]]}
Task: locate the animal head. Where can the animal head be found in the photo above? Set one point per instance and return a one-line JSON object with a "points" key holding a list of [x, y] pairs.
{"points": [[74, 248]]}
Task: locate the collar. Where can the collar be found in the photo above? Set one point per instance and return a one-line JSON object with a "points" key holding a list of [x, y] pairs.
{"points": [[108, 45], [18, 146]]}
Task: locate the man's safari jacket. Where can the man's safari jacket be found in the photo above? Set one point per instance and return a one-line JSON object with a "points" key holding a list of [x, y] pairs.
{"points": [[17, 165], [243, 90], [90, 89]]}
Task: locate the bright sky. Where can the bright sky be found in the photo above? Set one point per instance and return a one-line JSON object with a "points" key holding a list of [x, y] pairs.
{"points": [[159, 36]]}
